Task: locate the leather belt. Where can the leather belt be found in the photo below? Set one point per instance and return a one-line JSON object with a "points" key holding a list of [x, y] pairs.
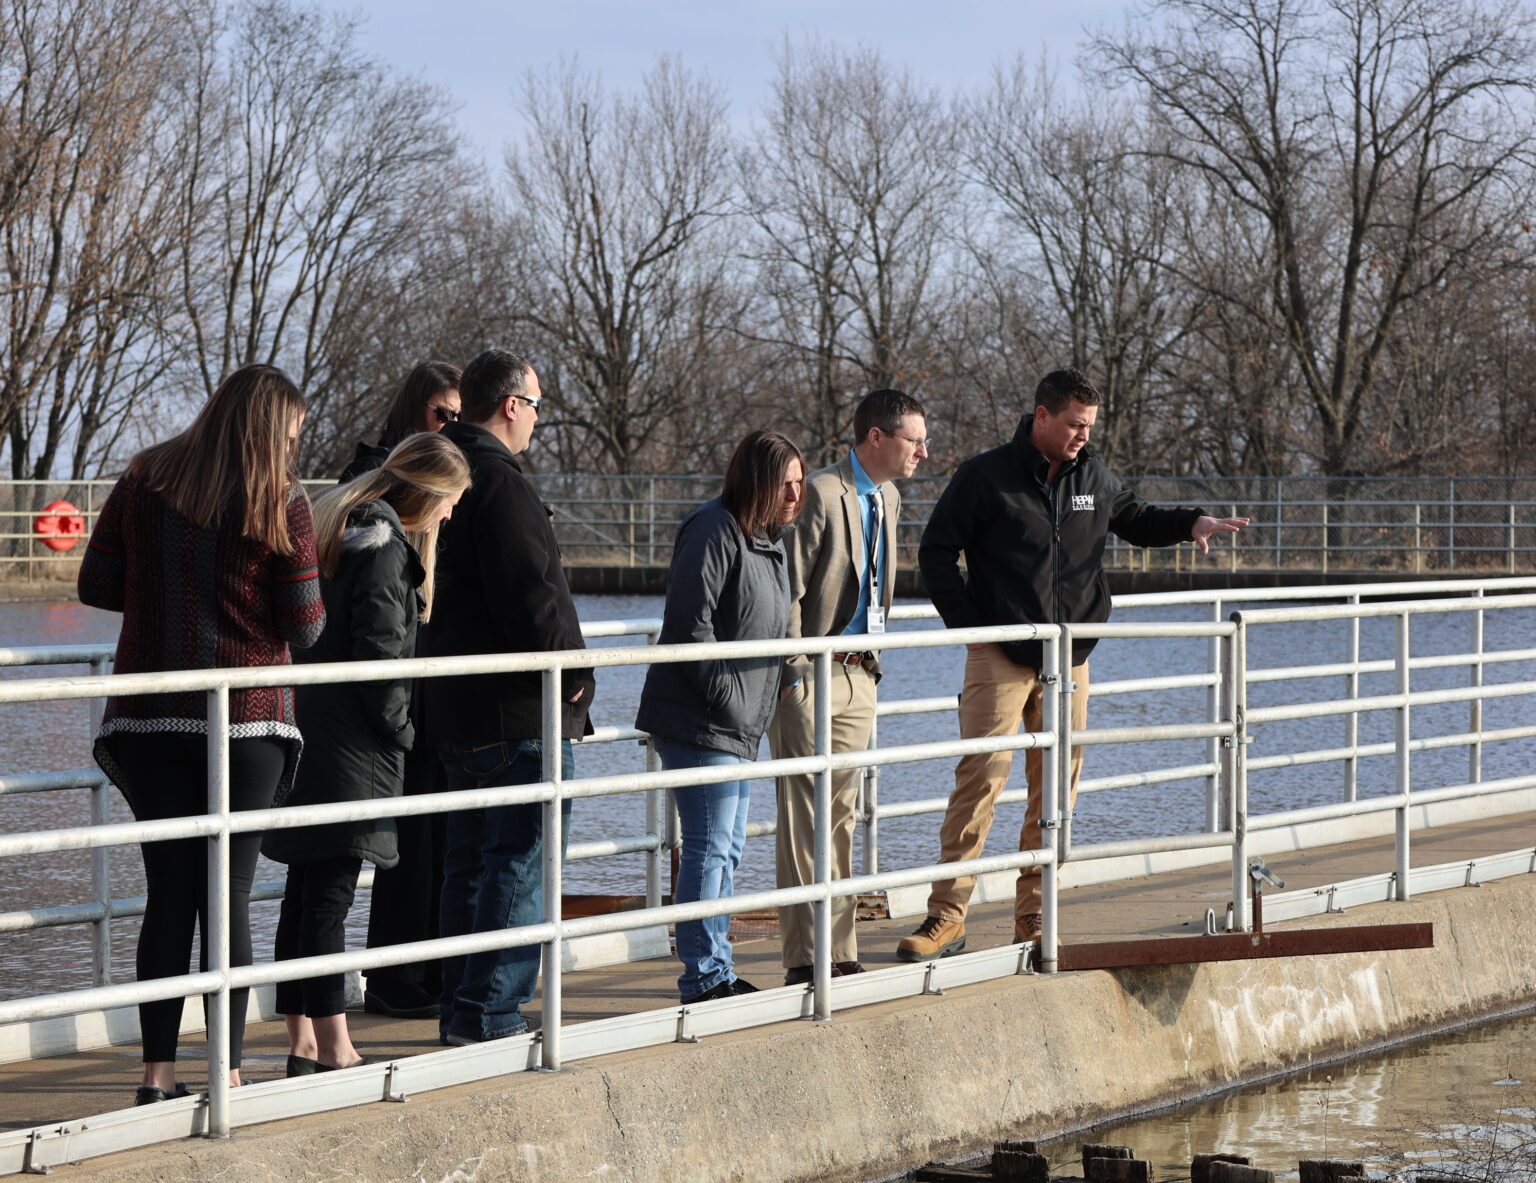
{"points": [[847, 659]]}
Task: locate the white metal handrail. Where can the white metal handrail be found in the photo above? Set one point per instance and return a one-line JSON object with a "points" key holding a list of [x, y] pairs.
{"points": [[1227, 730]]}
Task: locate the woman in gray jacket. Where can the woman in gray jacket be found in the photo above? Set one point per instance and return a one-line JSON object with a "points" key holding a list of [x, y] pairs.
{"points": [[729, 581]]}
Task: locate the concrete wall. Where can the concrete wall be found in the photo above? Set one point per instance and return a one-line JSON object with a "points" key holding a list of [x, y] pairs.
{"points": [[890, 1087]]}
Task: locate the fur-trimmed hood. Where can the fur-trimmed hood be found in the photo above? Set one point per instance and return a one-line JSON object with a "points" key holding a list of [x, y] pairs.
{"points": [[370, 527]]}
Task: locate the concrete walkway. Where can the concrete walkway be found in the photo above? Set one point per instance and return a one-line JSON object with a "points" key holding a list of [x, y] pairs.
{"points": [[72, 1086]]}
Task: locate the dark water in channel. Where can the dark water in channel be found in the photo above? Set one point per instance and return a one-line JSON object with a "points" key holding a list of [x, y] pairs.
{"points": [[42, 736], [1459, 1104]]}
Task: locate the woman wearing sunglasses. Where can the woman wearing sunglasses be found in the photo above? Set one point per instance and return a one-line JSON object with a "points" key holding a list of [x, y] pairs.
{"points": [[426, 401]]}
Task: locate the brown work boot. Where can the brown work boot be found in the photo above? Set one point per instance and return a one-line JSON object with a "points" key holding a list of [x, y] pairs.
{"points": [[1027, 928], [935, 937]]}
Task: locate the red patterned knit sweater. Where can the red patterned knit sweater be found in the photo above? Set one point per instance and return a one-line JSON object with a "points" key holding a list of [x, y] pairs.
{"points": [[199, 598]]}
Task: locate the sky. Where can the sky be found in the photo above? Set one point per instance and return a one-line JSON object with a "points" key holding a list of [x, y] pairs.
{"points": [[478, 50]]}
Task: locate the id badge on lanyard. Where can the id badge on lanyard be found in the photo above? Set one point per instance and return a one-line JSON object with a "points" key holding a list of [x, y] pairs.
{"points": [[876, 619]]}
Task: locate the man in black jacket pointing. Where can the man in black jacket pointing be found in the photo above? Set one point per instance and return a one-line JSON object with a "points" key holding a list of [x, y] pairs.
{"points": [[1031, 518]]}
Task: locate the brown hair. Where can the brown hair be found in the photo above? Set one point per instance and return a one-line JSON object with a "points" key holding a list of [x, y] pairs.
{"points": [[1060, 387], [409, 408], [884, 409], [235, 458], [422, 470], [755, 477]]}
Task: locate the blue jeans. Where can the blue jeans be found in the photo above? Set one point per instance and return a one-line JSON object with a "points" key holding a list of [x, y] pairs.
{"points": [[714, 824], [493, 879]]}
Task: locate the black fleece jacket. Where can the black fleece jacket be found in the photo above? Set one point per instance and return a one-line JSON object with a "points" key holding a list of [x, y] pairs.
{"points": [[500, 589], [1034, 554]]}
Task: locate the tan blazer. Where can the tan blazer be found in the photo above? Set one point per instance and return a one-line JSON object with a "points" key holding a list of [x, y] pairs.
{"points": [[823, 565]]}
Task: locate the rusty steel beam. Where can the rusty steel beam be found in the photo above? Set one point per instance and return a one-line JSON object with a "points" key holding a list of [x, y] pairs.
{"points": [[1240, 946]]}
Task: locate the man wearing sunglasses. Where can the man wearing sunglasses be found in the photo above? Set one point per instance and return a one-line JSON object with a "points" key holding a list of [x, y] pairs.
{"points": [[500, 589]]}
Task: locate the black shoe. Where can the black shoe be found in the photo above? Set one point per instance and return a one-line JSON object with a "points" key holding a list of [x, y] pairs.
{"points": [[799, 975], [304, 1066], [148, 1094], [400, 1000], [846, 969], [742, 986], [718, 990]]}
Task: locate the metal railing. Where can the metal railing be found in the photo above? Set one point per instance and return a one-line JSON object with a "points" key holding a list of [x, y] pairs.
{"points": [[1426, 524], [1226, 726]]}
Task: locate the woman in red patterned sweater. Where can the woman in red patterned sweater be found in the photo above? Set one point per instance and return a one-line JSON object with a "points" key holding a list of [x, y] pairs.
{"points": [[206, 547]]}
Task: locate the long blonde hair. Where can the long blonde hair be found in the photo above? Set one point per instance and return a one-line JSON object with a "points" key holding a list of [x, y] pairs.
{"points": [[414, 480], [236, 457]]}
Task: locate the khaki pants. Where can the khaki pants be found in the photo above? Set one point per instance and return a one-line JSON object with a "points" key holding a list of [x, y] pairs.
{"points": [[997, 695], [793, 733]]}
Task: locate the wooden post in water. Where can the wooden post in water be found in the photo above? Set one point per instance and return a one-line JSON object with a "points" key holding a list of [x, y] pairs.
{"points": [[1200, 1165], [1019, 1162], [1328, 1170], [1231, 1172]]}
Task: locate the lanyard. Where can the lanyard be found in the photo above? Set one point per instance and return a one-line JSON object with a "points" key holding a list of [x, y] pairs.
{"points": [[872, 545]]}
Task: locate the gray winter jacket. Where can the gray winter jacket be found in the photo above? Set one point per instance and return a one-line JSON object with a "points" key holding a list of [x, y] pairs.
{"points": [[721, 587]]}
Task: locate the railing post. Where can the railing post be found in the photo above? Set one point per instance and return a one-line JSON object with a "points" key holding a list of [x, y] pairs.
{"points": [[822, 973], [1352, 720], [656, 802], [1404, 770], [1213, 712], [1418, 538], [1064, 750], [218, 913], [1237, 770], [1510, 549], [1233, 543], [1325, 537], [101, 856], [650, 522], [1051, 712], [1475, 749], [870, 790], [552, 773]]}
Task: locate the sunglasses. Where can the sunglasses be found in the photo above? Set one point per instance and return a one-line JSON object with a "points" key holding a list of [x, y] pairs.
{"points": [[446, 414]]}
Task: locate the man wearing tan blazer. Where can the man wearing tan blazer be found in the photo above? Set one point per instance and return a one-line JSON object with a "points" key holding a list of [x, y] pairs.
{"points": [[842, 561]]}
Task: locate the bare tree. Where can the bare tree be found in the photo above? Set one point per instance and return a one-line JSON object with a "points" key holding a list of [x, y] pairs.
{"points": [[620, 267], [1356, 133], [849, 188]]}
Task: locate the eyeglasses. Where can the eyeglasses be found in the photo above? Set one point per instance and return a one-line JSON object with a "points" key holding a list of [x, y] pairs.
{"points": [[445, 414], [523, 398], [922, 445]]}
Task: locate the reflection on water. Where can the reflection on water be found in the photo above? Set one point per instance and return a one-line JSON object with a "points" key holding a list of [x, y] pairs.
{"points": [[42, 736], [1459, 1103]]}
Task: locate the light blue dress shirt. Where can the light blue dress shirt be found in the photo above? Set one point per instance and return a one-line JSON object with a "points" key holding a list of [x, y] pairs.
{"points": [[864, 487]]}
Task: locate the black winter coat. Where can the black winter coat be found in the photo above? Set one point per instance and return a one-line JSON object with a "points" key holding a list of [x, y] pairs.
{"points": [[365, 459], [1033, 554], [722, 586], [356, 734], [500, 589]]}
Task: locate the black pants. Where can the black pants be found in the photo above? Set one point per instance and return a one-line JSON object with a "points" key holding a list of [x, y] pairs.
{"points": [[169, 775], [405, 897], [312, 922]]}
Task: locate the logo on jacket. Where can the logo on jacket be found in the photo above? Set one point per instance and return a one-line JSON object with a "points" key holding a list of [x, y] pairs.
{"points": [[1082, 501]]}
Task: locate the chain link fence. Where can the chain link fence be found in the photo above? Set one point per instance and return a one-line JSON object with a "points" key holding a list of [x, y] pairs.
{"points": [[1410, 524]]}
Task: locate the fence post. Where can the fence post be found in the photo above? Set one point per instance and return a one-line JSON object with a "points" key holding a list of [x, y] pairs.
{"points": [[1325, 537], [1279, 519], [1404, 768], [1237, 769], [218, 913], [1475, 748], [1213, 711], [822, 972], [1352, 720], [1451, 523], [1051, 713], [1510, 563], [1064, 746], [1233, 542], [650, 523], [552, 773], [101, 856], [1418, 538]]}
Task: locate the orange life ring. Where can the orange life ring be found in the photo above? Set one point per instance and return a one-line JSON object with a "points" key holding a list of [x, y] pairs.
{"points": [[60, 525]]}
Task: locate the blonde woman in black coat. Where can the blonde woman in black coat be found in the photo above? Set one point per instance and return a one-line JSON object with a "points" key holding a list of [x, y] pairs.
{"points": [[376, 537]]}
